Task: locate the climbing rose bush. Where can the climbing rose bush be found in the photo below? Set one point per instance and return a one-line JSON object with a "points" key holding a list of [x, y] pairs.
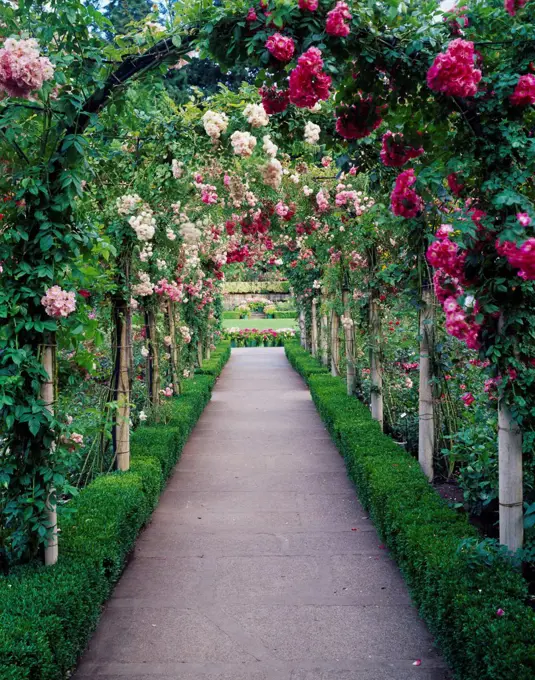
{"points": [[453, 72], [59, 303], [308, 83], [404, 201], [22, 69], [215, 124]]}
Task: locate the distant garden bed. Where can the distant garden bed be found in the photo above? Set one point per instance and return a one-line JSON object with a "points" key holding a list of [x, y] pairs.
{"points": [[253, 337], [255, 287]]}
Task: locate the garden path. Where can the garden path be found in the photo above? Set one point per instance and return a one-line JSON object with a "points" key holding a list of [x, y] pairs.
{"points": [[259, 563]]}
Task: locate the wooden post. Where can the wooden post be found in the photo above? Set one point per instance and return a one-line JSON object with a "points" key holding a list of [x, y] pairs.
{"points": [[199, 352], [335, 344], [122, 380], [426, 428], [511, 491], [510, 479], [375, 361], [173, 349], [348, 325], [324, 340], [302, 329], [153, 360], [314, 333], [48, 395]]}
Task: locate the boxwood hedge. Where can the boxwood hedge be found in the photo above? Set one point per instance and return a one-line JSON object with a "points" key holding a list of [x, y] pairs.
{"points": [[457, 598], [48, 615]]}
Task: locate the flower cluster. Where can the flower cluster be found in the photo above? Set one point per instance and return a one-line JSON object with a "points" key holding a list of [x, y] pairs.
{"points": [[272, 174], [394, 153], [128, 204], [143, 224], [177, 168], [144, 288], [274, 100], [404, 201], [173, 290], [310, 5], [281, 47], [256, 115], [461, 324], [185, 334], [524, 94], [336, 19], [521, 257], [215, 124], [453, 72], [269, 147], [312, 133], [512, 6], [358, 120], [308, 83], [322, 200], [243, 143], [22, 70], [58, 303]]}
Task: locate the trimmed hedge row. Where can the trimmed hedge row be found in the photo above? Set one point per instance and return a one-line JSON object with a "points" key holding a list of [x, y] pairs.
{"points": [[217, 361], [288, 314], [48, 615], [456, 597], [254, 287], [232, 315]]}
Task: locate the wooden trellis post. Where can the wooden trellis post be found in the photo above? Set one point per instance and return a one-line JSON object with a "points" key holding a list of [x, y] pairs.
{"points": [[48, 395]]}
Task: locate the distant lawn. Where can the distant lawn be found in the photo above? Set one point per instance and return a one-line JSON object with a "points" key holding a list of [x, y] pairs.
{"points": [[260, 324]]}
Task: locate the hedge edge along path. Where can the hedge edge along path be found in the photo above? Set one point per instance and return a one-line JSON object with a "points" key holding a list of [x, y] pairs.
{"points": [[458, 599], [47, 615]]}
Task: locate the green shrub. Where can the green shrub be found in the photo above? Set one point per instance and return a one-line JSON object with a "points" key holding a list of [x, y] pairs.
{"points": [[290, 314], [231, 315], [457, 599], [217, 360], [48, 614], [254, 287]]}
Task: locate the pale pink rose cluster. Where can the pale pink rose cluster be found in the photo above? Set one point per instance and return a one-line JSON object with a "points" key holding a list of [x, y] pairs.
{"points": [[185, 334], [22, 69], [215, 124], [256, 115], [59, 303], [243, 143], [272, 174], [144, 288]]}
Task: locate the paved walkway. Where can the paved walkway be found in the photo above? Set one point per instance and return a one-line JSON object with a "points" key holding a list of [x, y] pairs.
{"points": [[259, 563]]}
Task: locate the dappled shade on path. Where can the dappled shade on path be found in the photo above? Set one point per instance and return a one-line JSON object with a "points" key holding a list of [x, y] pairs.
{"points": [[259, 563]]}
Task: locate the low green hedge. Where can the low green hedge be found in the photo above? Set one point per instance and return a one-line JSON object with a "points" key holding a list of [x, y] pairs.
{"points": [[232, 315], [217, 360], [289, 314], [48, 614], [254, 287], [457, 597]]}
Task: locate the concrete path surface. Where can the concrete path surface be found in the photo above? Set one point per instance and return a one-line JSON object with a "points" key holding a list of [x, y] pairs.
{"points": [[259, 562]]}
